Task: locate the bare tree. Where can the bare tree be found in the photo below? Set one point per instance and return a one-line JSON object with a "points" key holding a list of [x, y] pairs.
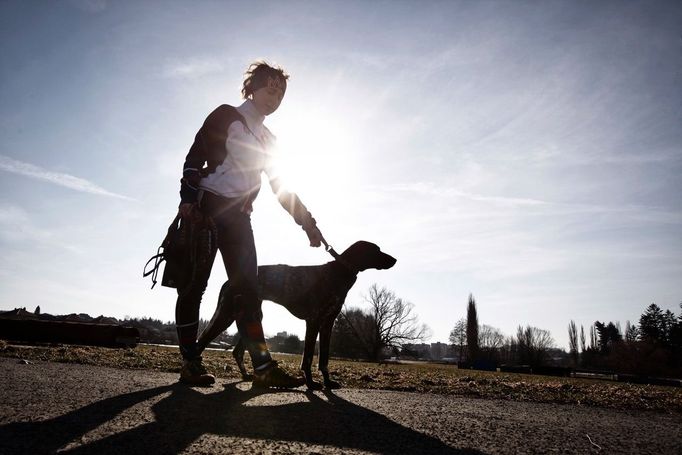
{"points": [[508, 352], [391, 322], [583, 346], [490, 338], [533, 345], [458, 337], [472, 329], [573, 341], [490, 342]]}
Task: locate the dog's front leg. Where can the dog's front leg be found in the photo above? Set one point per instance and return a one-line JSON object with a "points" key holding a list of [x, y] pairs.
{"points": [[311, 331], [325, 339]]}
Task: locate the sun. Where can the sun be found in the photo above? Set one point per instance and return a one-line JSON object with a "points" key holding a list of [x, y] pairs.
{"points": [[312, 157]]}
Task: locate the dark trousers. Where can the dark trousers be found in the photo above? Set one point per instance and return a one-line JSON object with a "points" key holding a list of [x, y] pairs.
{"points": [[238, 249]]}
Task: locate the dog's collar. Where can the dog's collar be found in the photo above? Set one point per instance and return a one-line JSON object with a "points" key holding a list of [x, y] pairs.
{"points": [[346, 267], [337, 258]]}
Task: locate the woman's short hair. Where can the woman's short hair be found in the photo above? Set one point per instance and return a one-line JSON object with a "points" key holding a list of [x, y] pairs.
{"points": [[259, 73]]}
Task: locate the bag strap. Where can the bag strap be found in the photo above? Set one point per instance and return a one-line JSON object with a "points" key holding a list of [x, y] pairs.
{"points": [[158, 258], [160, 255]]}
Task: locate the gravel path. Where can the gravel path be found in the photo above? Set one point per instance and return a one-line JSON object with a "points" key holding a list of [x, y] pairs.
{"points": [[52, 407]]}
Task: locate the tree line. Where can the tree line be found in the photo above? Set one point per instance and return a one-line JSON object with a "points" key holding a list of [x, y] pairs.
{"points": [[651, 347], [388, 326], [483, 346]]}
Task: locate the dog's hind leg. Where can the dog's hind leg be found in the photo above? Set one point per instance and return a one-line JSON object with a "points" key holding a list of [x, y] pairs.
{"points": [[238, 354], [222, 318], [325, 339]]}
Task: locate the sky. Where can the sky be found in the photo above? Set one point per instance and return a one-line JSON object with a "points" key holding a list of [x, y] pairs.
{"points": [[528, 153]]}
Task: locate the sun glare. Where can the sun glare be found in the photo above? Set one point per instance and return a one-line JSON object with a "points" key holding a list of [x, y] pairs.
{"points": [[313, 157]]}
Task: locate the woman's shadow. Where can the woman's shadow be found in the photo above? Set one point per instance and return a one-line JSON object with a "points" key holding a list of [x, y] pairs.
{"points": [[186, 414]]}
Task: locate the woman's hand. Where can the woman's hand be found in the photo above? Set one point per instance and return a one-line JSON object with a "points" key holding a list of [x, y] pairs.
{"points": [[315, 236], [311, 230]]}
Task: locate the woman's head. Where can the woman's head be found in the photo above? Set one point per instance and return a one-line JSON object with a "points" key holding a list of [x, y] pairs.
{"points": [[265, 85]]}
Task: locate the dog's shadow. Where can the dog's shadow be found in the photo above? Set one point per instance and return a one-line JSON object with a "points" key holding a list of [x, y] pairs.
{"points": [[186, 414]]}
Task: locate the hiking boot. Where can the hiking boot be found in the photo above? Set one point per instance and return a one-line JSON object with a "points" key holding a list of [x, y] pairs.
{"points": [[273, 376], [193, 372]]}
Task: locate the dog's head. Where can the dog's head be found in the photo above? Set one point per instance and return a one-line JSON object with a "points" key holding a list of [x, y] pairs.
{"points": [[364, 255]]}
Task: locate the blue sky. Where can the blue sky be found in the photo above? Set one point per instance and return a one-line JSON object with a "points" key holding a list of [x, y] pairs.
{"points": [[526, 152]]}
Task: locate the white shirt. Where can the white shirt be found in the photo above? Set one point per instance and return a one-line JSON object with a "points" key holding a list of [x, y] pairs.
{"points": [[248, 155]]}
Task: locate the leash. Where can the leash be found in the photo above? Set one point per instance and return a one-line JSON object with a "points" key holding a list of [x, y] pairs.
{"points": [[329, 249]]}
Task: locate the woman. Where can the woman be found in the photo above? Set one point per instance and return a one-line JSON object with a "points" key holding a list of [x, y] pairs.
{"points": [[221, 179]]}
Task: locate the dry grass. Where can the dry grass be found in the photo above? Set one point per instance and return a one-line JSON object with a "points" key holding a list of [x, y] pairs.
{"points": [[423, 378]]}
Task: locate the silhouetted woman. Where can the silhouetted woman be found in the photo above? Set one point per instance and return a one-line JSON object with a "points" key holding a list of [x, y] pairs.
{"points": [[221, 179]]}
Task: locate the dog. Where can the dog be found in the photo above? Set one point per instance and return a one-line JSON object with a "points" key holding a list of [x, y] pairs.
{"points": [[314, 293]]}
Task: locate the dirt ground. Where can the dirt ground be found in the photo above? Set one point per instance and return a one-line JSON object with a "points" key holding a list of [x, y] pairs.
{"points": [[419, 377], [49, 407]]}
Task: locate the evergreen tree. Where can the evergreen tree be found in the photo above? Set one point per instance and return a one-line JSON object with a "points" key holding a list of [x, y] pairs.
{"points": [[608, 335], [676, 337], [652, 325], [583, 346], [472, 330], [669, 321], [292, 344], [351, 331]]}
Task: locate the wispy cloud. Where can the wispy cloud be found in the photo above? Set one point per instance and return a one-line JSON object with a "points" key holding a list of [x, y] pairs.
{"points": [[192, 68], [431, 190], [58, 178], [90, 6]]}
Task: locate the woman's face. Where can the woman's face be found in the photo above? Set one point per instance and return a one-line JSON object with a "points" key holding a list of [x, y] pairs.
{"points": [[267, 99]]}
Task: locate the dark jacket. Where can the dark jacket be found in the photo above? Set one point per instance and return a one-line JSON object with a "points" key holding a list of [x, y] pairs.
{"points": [[208, 152]]}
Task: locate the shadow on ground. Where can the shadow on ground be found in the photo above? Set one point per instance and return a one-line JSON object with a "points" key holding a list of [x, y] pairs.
{"points": [[186, 414]]}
